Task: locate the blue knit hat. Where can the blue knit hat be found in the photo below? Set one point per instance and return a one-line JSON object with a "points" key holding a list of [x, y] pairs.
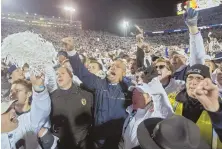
{"points": [[11, 69]]}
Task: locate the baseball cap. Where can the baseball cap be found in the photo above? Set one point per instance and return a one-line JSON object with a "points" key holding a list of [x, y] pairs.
{"points": [[199, 69], [143, 88], [5, 105]]}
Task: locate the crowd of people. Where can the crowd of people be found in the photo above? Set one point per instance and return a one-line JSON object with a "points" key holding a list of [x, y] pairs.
{"points": [[206, 17], [109, 92]]}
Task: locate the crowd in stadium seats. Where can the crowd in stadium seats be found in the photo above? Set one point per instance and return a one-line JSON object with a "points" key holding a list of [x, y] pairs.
{"points": [[110, 92], [206, 17]]}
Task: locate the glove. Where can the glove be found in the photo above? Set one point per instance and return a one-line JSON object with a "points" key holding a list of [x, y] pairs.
{"points": [[191, 17]]}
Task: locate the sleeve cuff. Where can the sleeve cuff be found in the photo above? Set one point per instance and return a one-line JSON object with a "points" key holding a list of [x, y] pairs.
{"points": [[71, 53], [41, 96], [194, 36]]}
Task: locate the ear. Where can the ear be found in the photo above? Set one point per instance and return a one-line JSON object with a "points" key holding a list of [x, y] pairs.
{"points": [[29, 94]]}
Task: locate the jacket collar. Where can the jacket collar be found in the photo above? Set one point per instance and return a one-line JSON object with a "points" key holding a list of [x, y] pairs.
{"points": [[71, 91]]}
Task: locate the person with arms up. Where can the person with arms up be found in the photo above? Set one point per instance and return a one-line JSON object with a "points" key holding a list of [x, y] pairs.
{"points": [[200, 102], [110, 102], [148, 101], [15, 130], [197, 52]]}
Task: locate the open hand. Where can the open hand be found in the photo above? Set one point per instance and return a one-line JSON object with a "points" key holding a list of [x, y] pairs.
{"points": [[207, 94], [191, 17]]}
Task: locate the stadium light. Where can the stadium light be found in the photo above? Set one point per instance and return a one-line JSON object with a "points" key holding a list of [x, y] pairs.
{"points": [[125, 24], [70, 9], [125, 27], [27, 13], [35, 14]]}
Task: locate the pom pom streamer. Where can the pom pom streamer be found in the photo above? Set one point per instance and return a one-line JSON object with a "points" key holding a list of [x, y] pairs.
{"points": [[27, 47]]}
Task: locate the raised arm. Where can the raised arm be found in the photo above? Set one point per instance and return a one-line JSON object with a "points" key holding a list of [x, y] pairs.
{"points": [[139, 29], [90, 80], [160, 99], [197, 51], [41, 103]]}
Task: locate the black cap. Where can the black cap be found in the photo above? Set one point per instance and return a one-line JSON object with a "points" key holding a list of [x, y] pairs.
{"points": [[199, 69]]}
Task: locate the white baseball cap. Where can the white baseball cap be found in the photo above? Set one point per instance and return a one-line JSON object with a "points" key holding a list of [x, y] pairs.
{"points": [[142, 88], [5, 105]]}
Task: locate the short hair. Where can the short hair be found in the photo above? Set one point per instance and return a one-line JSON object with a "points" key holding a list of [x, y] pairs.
{"points": [[25, 65], [24, 83], [169, 66], [68, 71], [96, 62]]}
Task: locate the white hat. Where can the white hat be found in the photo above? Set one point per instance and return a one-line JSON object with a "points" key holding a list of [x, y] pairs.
{"points": [[142, 88], [5, 105], [154, 87]]}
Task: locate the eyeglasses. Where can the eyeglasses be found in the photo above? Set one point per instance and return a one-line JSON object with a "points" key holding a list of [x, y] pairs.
{"points": [[160, 66]]}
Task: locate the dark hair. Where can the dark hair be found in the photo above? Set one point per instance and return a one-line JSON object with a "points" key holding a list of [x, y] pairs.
{"points": [[25, 65], [25, 83]]}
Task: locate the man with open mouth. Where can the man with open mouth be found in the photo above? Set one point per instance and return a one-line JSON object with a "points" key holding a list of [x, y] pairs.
{"points": [[110, 101], [15, 130]]}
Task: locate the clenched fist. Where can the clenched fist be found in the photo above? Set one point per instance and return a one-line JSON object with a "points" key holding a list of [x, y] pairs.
{"points": [[208, 95]]}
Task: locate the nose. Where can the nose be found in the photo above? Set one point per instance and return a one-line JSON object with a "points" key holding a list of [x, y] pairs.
{"points": [[193, 83]]}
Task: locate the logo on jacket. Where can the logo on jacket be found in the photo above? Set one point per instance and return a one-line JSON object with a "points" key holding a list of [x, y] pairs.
{"points": [[83, 101]]}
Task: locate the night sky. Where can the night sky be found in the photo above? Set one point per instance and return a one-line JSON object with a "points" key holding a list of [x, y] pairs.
{"points": [[96, 14]]}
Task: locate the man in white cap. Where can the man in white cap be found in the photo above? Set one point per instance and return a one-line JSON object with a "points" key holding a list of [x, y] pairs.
{"points": [[148, 101], [15, 130]]}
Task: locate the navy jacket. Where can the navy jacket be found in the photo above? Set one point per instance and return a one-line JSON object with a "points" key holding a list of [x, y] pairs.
{"points": [[110, 102]]}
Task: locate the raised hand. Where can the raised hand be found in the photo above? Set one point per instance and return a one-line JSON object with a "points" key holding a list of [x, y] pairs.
{"points": [[191, 17], [37, 82], [207, 94]]}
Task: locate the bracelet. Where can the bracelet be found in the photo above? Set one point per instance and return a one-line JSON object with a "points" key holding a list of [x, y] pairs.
{"points": [[39, 88]]}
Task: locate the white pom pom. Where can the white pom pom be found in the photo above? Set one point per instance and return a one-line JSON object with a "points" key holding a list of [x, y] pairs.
{"points": [[27, 47]]}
